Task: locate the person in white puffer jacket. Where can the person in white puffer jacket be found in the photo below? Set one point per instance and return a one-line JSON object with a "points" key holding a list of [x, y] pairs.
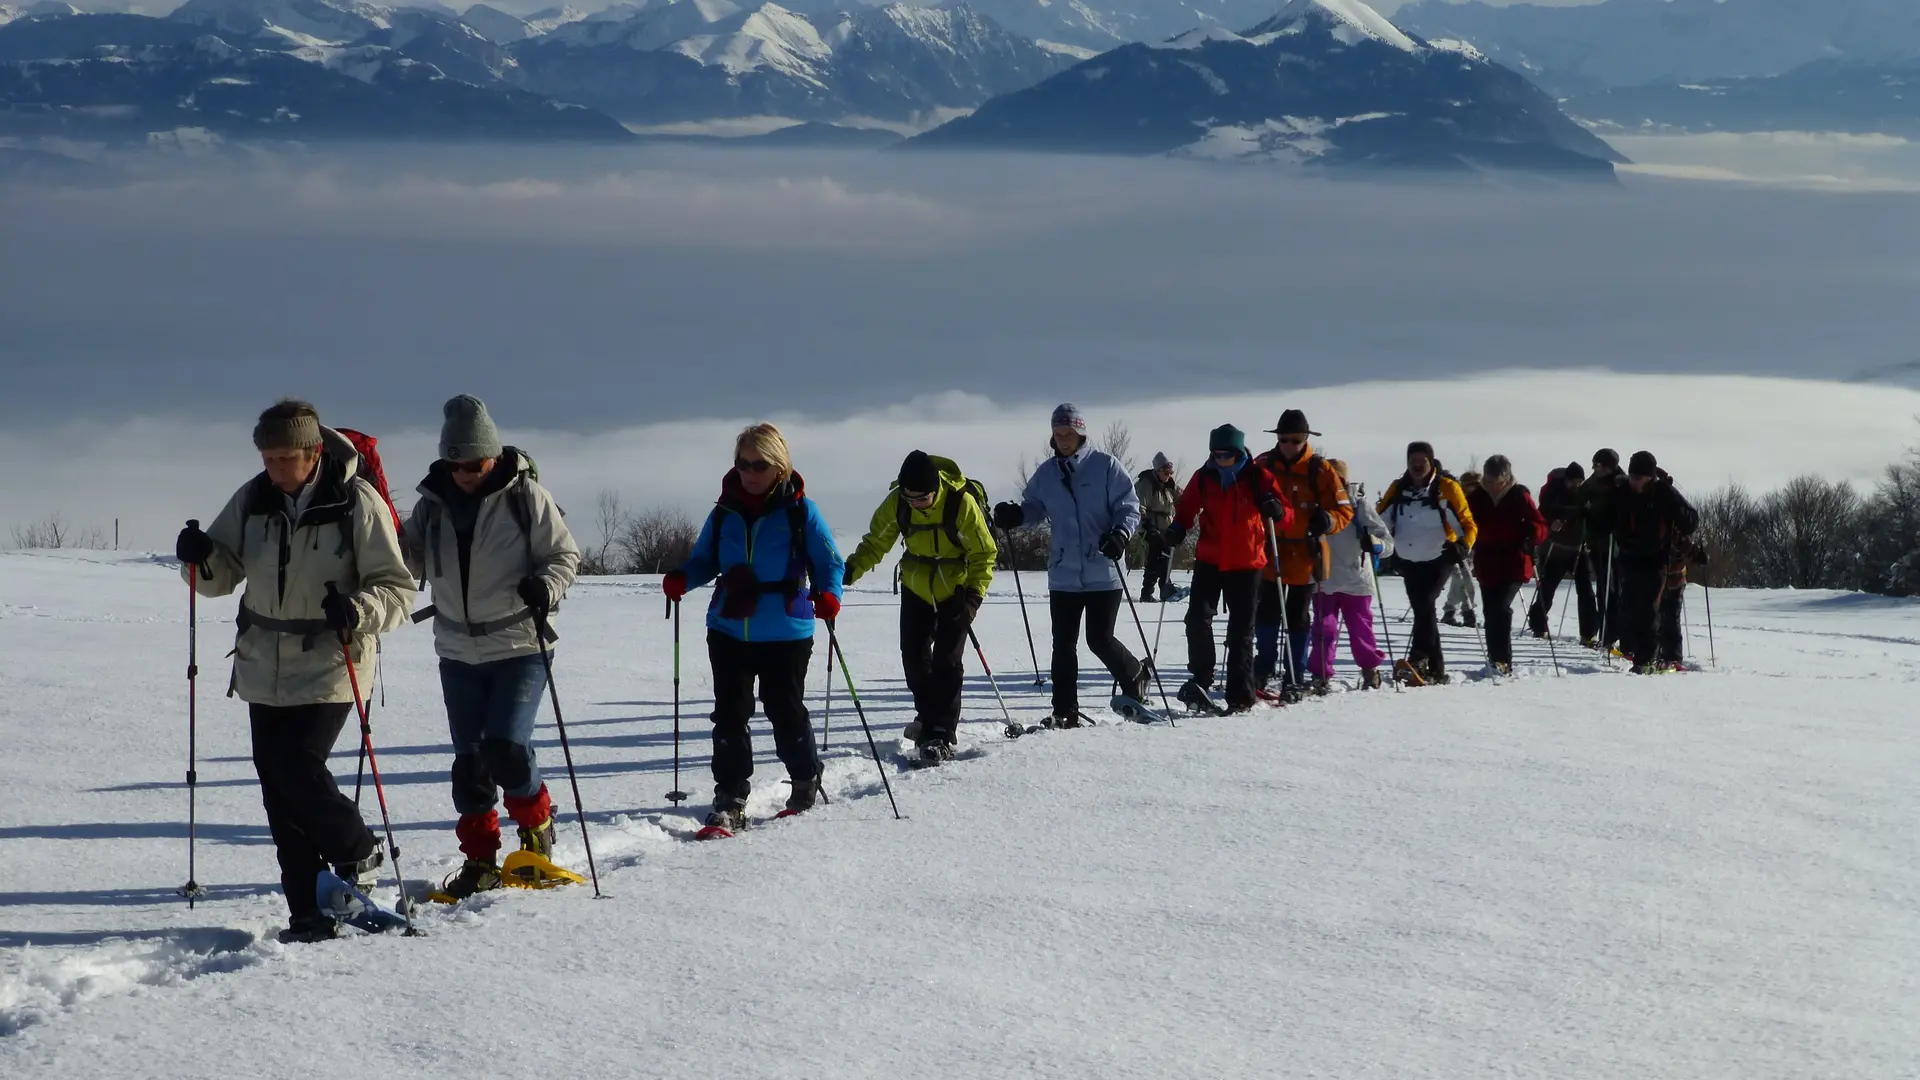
{"points": [[1347, 594]]}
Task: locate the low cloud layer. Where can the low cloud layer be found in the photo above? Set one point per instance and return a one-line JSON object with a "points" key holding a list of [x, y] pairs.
{"points": [[152, 474], [587, 290]]}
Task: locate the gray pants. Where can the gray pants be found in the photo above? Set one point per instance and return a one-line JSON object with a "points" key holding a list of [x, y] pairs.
{"points": [[1460, 588]]}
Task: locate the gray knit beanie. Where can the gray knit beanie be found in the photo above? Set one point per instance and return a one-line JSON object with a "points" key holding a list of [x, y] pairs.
{"points": [[288, 425], [1068, 415], [1160, 462], [468, 434]]}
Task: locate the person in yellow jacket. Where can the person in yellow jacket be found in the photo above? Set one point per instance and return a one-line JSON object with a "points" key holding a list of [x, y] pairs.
{"points": [[1433, 532], [944, 577]]}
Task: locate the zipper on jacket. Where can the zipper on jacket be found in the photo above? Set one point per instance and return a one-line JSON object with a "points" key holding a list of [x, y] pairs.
{"points": [[746, 624]]}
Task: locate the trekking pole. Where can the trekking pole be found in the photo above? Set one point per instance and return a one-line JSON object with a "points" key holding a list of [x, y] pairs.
{"points": [[1285, 644], [1013, 561], [373, 766], [380, 673], [1579, 564], [676, 796], [833, 645], [1713, 654], [542, 631], [1386, 628], [1606, 609], [1552, 649], [826, 730], [1013, 730], [192, 890], [1142, 628]]}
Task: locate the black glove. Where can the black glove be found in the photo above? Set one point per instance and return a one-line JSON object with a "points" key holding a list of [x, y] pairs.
{"points": [[1008, 516], [1319, 523], [1272, 507], [533, 592], [1174, 536], [971, 601], [342, 616], [1114, 544], [194, 547]]}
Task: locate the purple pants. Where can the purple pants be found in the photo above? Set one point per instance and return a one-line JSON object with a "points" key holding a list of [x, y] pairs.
{"points": [[1328, 610]]}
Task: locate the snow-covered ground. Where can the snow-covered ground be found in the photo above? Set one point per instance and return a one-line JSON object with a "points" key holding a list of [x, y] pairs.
{"points": [[1708, 875]]}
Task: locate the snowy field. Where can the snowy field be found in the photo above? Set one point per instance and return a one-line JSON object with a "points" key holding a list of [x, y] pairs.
{"points": [[1708, 875]]}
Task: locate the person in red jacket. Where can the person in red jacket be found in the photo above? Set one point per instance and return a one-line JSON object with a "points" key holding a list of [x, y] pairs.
{"points": [[1232, 503], [1510, 529]]}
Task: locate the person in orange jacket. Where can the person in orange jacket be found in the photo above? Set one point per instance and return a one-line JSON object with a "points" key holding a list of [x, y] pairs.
{"points": [[1321, 508], [1232, 503]]}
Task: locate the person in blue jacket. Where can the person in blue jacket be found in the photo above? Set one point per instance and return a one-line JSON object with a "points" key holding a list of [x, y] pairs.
{"points": [[762, 545], [1089, 500]]}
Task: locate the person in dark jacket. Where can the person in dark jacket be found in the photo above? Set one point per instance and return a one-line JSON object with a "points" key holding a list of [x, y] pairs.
{"points": [[1564, 552], [1509, 528], [1596, 504], [1232, 504], [1158, 492], [762, 544], [1653, 524]]}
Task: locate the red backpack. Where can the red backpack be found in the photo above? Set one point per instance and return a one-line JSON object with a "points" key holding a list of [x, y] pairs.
{"points": [[371, 469]]}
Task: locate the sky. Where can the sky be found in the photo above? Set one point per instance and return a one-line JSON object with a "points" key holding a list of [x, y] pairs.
{"points": [[625, 312]]}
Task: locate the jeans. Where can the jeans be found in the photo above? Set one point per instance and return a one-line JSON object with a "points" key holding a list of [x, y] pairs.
{"points": [[1102, 611], [491, 708], [1298, 613], [1239, 588], [780, 667], [314, 826]]}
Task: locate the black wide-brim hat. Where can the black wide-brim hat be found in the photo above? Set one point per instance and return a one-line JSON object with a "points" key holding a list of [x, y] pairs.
{"points": [[1292, 422]]}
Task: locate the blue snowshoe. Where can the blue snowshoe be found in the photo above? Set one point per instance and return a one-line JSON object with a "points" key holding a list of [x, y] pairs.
{"points": [[344, 902]]}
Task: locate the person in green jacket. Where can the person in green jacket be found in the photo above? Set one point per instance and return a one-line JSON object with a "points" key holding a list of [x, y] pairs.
{"points": [[943, 576]]}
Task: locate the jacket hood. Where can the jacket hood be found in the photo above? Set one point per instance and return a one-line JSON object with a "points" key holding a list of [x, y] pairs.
{"points": [[793, 490]]}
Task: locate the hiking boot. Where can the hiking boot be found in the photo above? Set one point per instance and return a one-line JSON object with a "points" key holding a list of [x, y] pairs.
{"points": [[911, 732], [365, 874], [538, 839], [805, 793], [1370, 678], [1146, 596], [1141, 686], [1450, 618], [935, 752], [474, 875], [731, 818], [304, 929], [1469, 619], [1590, 643], [1062, 720], [1322, 687], [1502, 668], [1194, 696], [1639, 669]]}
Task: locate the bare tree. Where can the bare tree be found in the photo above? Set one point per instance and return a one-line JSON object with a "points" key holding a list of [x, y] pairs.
{"points": [[1117, 443], [53, 531], [611, 517], [1729, 526], [656, 540]]}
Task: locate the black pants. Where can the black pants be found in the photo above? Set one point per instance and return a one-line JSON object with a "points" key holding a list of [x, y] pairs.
{"points": [[314, 826], [1425, 582], [1294, 605], [1240, 589], [1650, 612], [1159, 566], [781, 668], [1498, 600], [933, 644], [1102, 610], [1560, 562], [1607, 595]]}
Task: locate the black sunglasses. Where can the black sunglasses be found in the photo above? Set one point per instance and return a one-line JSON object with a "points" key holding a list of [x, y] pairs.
{"points": [[752, 466], [466, 466]]}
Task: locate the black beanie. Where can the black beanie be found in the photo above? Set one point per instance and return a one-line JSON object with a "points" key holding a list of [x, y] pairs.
{"points": [[1609, 458], [917, 473], [1642, 464], [1575, 471]]}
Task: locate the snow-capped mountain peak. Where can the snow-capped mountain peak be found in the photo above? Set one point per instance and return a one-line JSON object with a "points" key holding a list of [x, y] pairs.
{"points": [[302, 22], [769, 37], [1349, 21]]}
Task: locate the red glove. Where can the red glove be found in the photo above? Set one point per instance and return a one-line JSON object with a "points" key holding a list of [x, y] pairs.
{"points": [[674, 585], [826, 606]]}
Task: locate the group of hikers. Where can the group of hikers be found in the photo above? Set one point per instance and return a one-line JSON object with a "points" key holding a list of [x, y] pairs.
{"points": [[1285, 541]]}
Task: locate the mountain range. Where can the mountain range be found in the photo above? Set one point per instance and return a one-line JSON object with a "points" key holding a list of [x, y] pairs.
{"points": [[1588, 48], [1827, 95], [1324, 83]]}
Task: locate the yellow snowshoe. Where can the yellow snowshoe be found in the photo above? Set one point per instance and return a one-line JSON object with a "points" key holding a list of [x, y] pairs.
{"points": [[532, 870]]}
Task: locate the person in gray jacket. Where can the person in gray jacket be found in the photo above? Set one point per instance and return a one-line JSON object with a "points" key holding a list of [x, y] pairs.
{"points": [[313, 543], [499, 556], [1159, 494], [1090, 503]]}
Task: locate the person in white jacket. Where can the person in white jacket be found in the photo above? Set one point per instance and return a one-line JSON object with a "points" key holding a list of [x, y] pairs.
{"points": [[1347, 594], [499, 556]]}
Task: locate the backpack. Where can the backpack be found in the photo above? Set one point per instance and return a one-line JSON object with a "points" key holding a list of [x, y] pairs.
{"points": [[371, 470], [950, 518]]}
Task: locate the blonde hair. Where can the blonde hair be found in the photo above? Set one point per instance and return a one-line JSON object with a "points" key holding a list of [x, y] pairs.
{"points": [[1338, 466], [766, 441]]}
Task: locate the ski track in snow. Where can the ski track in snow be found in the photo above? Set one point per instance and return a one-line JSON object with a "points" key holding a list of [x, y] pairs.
{"points": [[1709, 874]]}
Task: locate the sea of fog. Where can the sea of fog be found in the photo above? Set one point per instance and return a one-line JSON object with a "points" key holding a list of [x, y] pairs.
{"points": [[624, 311]]}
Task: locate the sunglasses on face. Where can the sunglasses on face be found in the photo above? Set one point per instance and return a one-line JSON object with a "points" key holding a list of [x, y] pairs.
{"points": [[1225, 455], [918, 497], [468, 467], [1293, 440], [755, 467]]}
